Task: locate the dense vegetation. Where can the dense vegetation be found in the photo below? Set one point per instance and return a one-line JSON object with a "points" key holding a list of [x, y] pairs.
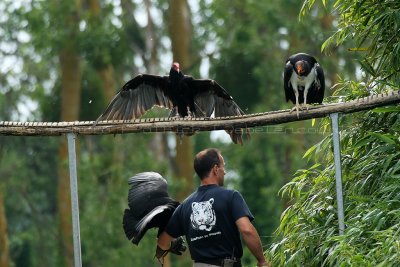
{"points": [[370, 145]]}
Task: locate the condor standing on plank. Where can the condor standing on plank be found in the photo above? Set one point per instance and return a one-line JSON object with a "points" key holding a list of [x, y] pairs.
{"points": [[183, 94], [304, 81]]}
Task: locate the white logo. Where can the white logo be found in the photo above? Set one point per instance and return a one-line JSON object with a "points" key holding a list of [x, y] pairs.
{"points": [[203, 215]]}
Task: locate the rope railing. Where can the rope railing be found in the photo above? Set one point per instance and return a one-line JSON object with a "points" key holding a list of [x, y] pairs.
{"points": [[190, 125]]}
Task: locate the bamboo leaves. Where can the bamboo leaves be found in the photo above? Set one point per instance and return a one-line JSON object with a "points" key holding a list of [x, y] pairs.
{"points": [[371, 160]]}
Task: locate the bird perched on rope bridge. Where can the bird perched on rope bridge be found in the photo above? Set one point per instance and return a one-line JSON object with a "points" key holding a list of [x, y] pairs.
{"points": [[303, 80], [184, 95]]}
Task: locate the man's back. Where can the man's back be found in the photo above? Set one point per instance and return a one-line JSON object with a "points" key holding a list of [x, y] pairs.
{"points": [[207, 219], [212, 219]]}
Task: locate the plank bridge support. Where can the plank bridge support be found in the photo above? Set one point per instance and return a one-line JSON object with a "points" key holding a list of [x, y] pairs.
{"points": [[74, 199], [338, 170]]}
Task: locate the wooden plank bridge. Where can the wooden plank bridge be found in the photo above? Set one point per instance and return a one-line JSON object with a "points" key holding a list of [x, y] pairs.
{"points": [[190, 125]]}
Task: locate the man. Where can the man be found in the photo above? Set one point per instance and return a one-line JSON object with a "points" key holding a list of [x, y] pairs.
{"points": [[212, 219]]}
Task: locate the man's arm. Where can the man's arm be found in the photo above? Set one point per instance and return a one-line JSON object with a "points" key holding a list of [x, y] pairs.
{"points": [[164, 241], [252, 240], [167, 243]]}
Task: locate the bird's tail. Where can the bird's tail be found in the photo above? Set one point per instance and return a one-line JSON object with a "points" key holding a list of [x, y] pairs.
{"points": [[239, 136], [129, 223]]}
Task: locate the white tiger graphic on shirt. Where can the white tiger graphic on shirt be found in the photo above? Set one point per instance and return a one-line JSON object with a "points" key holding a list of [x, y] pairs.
{"points": [[203, 215]]}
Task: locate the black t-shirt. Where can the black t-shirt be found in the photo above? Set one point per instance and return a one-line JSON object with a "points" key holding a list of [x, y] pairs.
{"points": [[207, 219]]}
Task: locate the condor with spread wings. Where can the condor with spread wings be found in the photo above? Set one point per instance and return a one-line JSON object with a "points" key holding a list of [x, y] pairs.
{"points": [[183, 94]]}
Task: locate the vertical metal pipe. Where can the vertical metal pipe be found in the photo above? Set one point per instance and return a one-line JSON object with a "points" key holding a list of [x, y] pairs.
{"points": [[74, 199], [338, 170]]}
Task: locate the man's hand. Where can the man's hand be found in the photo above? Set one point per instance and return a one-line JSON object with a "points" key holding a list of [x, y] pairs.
{"points": [[177, 247], [160, 254]]}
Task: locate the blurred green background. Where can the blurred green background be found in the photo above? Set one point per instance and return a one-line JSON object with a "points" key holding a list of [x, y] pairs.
{"points": [[64, 61]]}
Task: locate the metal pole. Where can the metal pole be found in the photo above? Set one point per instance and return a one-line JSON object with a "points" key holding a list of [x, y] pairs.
{"points": [[74, 199], [338, 170]]}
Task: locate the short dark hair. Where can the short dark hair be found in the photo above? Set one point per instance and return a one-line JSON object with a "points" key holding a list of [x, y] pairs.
{"points": [[205, 161]]}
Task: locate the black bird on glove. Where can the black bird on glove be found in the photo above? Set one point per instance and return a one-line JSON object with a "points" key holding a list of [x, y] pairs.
{"points": [[303, 80], [150, 206], [184, 95]]}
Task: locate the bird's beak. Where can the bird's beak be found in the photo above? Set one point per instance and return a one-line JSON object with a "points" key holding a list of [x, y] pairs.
{"points": [[300, 69], [176, 66]]}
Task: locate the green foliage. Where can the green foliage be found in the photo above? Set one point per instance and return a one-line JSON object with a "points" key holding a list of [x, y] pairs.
{"points": [[27, 175], [371, 168], [370, 141], [92, 95], [102, 39], [247, 57], [374, 25]]}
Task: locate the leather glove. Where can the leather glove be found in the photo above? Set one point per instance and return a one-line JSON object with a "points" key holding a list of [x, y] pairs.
{"points": [[178, 246], [160, 253]]}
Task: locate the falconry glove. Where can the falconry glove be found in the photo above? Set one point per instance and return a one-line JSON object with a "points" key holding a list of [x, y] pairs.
{"points": [[177, 247]]}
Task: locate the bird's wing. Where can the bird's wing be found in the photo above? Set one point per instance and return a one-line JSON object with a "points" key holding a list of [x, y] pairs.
{"points": [[137, 96], [147, 190], [211, 97], [147, 177], [135, 227], [149, 205], [287, 74], [320, 84]]}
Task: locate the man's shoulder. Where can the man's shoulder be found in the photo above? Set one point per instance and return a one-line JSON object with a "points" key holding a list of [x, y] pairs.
{"points": [[225, 193], [224, 190], [229, 190], [218, 191]]}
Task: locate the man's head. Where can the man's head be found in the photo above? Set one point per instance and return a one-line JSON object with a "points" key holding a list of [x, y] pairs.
{"points": [[210, 163]]}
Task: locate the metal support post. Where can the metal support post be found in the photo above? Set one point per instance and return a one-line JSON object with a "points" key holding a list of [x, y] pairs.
{"points": [[338, 170], [74, 199]]}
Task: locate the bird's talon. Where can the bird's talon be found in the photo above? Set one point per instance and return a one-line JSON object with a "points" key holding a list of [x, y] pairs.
{"points": [[306, 106]]}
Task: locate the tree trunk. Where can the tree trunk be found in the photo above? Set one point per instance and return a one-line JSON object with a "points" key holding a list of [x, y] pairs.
{"points": [[4, 254], [158, 144], [107, 79], [180, 33], [151, 42], [70, 102], [106, 69], [106, 74], [184, 165]]}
